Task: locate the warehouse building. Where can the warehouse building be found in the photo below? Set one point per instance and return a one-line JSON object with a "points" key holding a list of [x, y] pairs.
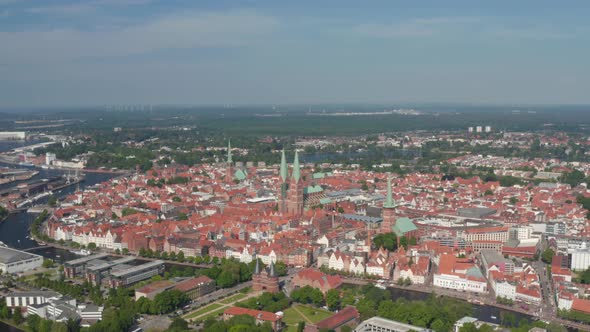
{"points": [[16, 261]]}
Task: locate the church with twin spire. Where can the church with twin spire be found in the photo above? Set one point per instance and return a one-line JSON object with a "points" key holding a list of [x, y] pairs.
{"points": [[291, 190]]}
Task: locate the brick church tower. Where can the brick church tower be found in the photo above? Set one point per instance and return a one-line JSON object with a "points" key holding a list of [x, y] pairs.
{"points": [[229, 176], [295, 192], [283, 172], [388, 211], [265, 279]]}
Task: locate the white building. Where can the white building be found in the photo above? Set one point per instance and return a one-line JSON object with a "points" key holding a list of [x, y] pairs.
{"points": [[488, 129], [12, 135], [579, 259], [478, 129], [457, 282], [23, 299], [50, 158], [504, 289], [378, 324], [522, 232], [16, 261]]}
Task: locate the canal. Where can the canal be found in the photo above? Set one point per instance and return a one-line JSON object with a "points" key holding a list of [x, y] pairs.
{"points": [[14, 230], [483, 313]]}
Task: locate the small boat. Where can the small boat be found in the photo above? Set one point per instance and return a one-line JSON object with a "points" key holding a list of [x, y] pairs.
{"points": [[493, 317]]}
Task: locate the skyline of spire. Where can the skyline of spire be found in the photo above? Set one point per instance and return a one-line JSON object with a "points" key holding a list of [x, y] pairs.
{"points": [[389, 202], [296, 168], [284, 172]]}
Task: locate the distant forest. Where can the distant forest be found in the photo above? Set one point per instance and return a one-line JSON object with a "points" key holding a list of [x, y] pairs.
{"points": [[296, 121]]}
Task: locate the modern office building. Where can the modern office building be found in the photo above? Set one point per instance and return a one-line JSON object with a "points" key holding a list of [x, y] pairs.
{"points": [[126, 277], [77, 267]]}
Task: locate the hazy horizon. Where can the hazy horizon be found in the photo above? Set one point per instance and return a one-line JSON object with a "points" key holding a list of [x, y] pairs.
{"points": [[67, 53]]}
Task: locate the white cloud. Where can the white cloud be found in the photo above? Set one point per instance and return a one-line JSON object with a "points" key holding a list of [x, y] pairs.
{"points": [[82, 7], [492, 28], [185, 31], [67, 9], [531, 33], [418, 27]]}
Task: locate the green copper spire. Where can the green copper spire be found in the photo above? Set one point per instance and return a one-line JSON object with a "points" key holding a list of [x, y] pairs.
{"points": [[229, 151], [283, 172], [389, 203], [296, 169]]}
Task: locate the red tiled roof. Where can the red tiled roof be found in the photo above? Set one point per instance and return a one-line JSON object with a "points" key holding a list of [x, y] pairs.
{"points": [[258, 314], [154, 286], [189, 284], [342, 317], [581, 305]]}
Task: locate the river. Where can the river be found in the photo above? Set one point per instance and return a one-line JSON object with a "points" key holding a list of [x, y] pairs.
{"points": [[481, 312]]}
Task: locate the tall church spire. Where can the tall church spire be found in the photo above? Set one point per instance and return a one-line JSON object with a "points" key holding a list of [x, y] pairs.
{"points": [[296, 169], [229, 177], [388, 211], [283, 172], [389, 202]]}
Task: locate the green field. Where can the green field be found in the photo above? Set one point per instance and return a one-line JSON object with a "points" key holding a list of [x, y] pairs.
{"points": [[204, 310], [214, 313], [233, 298], [293, 317]]}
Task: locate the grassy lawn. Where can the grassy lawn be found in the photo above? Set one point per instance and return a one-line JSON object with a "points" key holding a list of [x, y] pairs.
{"points": [[291, 328], [204, 310], [214, 313], [292, 317], [233, 298]]}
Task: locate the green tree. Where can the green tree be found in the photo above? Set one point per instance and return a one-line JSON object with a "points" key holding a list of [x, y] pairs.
{"points": [[438, 325], [178, 325], [333, 299], [59, 327], [52, 201], [300, 326], [385, 240], [403, 241], [585, 276], [281, 269], [33, 322], [573, 178], [547, 255], [17, 316], [47, 263]]}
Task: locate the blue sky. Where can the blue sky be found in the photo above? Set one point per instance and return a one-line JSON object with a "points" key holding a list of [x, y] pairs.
{"points": [[94, 52]]}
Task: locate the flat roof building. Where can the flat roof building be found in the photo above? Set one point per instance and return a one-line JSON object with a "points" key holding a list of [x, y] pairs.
{"points": [[379, 324], [135, 274], [77, 267], [16, 261]]}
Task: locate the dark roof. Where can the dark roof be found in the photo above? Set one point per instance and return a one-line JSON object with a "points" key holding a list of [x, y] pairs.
{"points": [[342, 317]]}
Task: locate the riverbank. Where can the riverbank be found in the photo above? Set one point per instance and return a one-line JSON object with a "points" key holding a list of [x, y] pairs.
{"points": [[9, 326], [10, 161], [475, 300]]}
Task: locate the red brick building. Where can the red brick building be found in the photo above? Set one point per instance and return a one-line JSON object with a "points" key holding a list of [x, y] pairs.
{"points": [[265, 279], [316, 279]]}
